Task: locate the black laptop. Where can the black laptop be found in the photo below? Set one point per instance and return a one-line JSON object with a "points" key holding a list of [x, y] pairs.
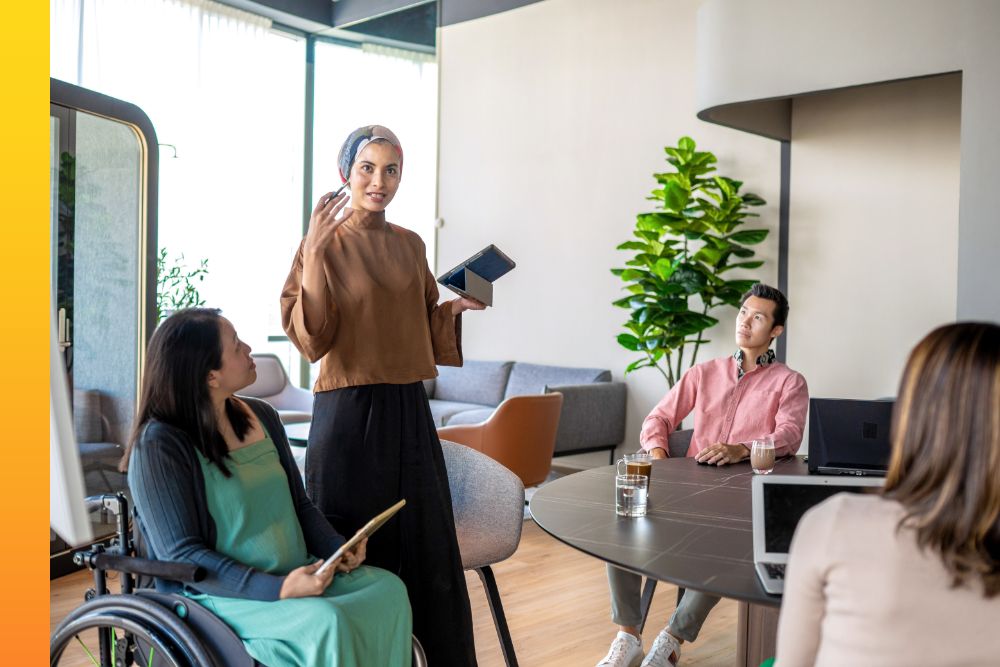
{"points": [[849, 437]]}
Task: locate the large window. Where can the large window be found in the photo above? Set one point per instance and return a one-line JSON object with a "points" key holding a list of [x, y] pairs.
{"points": [[225, 91], [226, 95], [390, 87]]}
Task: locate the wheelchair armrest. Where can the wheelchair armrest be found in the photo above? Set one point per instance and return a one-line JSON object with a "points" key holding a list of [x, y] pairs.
{"points": [[182, 572]]}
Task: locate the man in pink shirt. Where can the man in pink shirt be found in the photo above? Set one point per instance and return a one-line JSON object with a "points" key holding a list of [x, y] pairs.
{"points": [[734, 400]]}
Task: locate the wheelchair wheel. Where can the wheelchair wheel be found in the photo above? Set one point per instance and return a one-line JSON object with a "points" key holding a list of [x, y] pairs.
{"points": [[122, 630]]}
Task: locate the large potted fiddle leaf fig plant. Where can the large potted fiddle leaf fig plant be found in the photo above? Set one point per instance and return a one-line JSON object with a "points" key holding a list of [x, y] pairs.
{"points": [[681, 255]]}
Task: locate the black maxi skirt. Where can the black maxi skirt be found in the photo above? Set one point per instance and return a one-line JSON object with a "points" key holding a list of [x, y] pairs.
{"points": [[369, 446]]}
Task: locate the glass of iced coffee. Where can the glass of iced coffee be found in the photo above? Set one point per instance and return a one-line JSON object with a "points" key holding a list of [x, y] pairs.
{"points": [[762, 456]]}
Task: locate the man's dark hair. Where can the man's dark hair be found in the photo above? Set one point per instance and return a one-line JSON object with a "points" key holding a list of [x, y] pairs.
{"points": [[762, 291]]}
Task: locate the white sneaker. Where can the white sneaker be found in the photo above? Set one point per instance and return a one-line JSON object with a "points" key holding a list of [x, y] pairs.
{"points": [[625, 651], [664, 646]]}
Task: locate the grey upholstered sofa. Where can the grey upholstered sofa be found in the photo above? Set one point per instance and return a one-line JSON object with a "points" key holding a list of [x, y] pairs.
{"points": [[593, 412]]}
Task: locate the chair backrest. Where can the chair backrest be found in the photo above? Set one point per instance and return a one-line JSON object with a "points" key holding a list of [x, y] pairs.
{"points": [[271, 377], [521, 434], [679, 442], [488, 503]]}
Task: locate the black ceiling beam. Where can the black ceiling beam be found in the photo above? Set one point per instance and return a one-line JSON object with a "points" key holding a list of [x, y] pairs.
{"points": [[309, 16], [349, 12], [456, 11]]}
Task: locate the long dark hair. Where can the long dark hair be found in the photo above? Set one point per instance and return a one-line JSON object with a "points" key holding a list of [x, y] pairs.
{"points": [[182, 351], [945, 465]]}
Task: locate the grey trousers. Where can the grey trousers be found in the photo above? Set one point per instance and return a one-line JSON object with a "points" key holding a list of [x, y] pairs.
{"points": [[626, 601]]}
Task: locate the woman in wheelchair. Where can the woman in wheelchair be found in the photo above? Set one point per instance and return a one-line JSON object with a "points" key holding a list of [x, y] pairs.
{"points": [[214, 484]]}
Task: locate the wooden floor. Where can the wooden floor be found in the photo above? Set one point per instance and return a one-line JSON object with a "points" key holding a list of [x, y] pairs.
{"points": [[556, 600]]}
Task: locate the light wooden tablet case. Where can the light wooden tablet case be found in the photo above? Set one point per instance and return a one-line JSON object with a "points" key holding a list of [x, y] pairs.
{"points": [[362, 533]]}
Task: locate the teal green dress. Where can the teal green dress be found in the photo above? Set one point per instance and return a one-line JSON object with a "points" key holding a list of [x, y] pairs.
{"points": [[363, 617]]}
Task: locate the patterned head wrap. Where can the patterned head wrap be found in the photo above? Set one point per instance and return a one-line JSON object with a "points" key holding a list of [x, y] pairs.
{"points": [[356, 143]]}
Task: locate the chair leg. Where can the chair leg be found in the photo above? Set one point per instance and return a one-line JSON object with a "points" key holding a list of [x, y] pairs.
{"points": [[611, 456], [647, 600], [496, 608]]}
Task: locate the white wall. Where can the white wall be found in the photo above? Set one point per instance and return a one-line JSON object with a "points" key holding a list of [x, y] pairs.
{"points": [[873, 243], [553, 118], [750, 50]]}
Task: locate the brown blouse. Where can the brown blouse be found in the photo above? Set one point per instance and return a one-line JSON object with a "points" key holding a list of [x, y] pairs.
{"points": [[383, 322]]}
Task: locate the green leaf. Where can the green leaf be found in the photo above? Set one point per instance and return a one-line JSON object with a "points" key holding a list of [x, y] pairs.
{"points": [[708, 255], [749, 236], [741, 286], [686, 144], [676, 196], [633, 245], [629, 342], [663, 268], [624, 302], [688, 278], [633, 274], [742, 265], [637, 364]]}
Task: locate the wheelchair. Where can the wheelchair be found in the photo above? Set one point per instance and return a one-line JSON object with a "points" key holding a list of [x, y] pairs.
{"points": [[141, 626]]}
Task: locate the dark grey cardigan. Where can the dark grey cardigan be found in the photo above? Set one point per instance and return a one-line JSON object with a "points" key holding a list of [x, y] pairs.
{"points": [[168, 490]]}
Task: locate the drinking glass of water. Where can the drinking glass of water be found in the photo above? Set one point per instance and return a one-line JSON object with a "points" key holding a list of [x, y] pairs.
{"points": [[762, 456], [630, 494]]}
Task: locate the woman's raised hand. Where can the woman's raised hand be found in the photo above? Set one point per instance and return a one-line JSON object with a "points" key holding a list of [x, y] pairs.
{"points": [[323, 222], [304, 582]]}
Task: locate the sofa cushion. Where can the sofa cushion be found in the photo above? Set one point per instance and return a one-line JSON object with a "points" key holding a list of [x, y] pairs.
{"points": [[593, 415], [470, 417], [429, 387], [531, 378], [442, 411], [481, 382]]}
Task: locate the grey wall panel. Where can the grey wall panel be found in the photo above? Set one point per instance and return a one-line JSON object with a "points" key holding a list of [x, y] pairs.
{"points": [[754, 50]]}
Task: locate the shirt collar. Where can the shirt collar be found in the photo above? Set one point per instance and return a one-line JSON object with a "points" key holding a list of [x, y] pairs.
{"points": [[765, 359]]}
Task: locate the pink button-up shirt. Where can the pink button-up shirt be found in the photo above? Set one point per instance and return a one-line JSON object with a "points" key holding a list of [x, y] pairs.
{"points": [[767, 401]]}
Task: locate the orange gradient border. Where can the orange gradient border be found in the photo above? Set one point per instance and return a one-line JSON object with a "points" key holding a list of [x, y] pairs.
{"points": [[24, 334]]}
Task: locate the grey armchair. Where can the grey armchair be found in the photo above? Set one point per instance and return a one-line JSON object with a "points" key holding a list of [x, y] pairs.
{"points": [[488, 502], [294, 404]]}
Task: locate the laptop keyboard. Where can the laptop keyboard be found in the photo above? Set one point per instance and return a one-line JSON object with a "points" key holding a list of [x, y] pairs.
{"points": [[775, 570]]}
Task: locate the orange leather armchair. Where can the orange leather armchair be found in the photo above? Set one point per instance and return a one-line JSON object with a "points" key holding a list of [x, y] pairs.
{"points": [[520, 434]]}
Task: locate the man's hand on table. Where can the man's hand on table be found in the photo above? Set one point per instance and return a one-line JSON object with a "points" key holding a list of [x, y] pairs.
{"points": [[721, 454], [658, 453]]}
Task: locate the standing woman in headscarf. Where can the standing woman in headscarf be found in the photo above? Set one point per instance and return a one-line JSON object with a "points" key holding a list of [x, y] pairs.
{"points": [[360, 297]]}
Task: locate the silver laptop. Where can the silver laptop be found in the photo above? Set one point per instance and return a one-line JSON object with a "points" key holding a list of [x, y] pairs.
{"points": [[778, 502]]}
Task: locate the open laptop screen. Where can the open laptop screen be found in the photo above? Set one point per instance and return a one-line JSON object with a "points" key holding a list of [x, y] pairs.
{"points": [[784, 505], [849, 436], [780, 502]]}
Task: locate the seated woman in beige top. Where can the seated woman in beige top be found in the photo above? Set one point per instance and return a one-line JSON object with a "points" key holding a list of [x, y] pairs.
{"points": [[912, 576]]}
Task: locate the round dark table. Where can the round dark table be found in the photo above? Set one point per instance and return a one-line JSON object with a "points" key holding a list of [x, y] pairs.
{"points": [[697, 532]]}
